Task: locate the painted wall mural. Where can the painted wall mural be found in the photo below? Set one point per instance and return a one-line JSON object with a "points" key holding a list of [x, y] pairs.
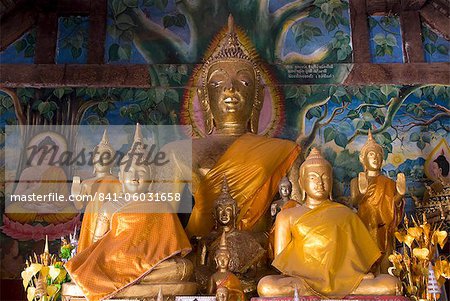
{"points": [[307, 51]]}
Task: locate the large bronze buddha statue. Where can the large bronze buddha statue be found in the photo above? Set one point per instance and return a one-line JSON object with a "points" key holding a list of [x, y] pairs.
{"points": [[231, 95], [135, 252], [322, 247]]}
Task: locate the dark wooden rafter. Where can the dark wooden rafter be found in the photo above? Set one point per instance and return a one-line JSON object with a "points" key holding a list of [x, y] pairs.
{"points": [[360, 31], [46, 37], [97, 31], [436, 19], [15, 23], [412, 37], [392, 6], [137, 76]]}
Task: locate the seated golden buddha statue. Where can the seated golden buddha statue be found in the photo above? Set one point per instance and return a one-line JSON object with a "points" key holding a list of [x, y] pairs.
{"points": [[231, 96], [139, 252], [322, 247], [244, 250], [103, 182], [223, 277], [42, 177], [379, 199]]}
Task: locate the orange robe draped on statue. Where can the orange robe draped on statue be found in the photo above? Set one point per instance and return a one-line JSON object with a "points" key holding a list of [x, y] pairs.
{"points": [[233, 284], [330, 250], [253, 166], [136, 243], [378, 212]]}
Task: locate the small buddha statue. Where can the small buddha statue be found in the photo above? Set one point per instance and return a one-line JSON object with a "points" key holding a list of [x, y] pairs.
{"points": [[285, 202], [223, 277], [245, 251], [222, 294], [137, 251], [322, 247], [379, 200], [103, 182]]}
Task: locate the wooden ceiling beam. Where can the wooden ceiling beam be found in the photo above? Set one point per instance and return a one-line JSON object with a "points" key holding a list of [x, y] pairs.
{"points": [[436, 19], [392, 6], [137, 76], [15, 24]]}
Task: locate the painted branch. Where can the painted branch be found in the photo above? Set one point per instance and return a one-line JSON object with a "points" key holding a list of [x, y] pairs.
{"points": [[17, 105]]}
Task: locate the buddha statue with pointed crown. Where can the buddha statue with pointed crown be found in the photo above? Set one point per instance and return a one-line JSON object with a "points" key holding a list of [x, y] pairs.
{"points": [[379, 200], [322, 247], [244, 249], [136, 251], [223, 277], [103, 182], [231, 96]]}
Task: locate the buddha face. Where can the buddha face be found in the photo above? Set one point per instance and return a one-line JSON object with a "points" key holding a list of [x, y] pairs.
{"points": [[222, 259], [222, 294], [102, 161], [285, 190], [373, 160], [231, 87], [316, 182], [135, 179], [225, 214]]}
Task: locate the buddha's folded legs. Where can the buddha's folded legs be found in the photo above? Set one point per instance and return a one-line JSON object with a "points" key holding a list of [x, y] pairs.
{"points": [[283, 286], [171, 270]]}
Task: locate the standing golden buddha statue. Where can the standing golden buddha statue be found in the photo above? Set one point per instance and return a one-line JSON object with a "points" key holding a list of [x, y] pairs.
{"points": [[104, 182], [379, 199], [137, 251], [223, 277], [231, 96], [322, 247]]}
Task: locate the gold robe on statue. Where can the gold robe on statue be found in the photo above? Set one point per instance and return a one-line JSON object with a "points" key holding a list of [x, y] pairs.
{"points": [[253, 166], [108, 186], [136, 243], [378, 212], [330, 250], [233, 284]]}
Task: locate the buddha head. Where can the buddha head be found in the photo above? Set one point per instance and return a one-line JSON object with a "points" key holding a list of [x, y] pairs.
{"points": [[223, 255], [231, 92], [371, 155], [103, 155], [316, 178], [134, 174], [285, 187], [225, 208], [222, 293]]}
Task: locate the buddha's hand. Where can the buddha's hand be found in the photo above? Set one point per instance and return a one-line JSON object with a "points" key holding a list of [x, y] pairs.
{"points": [[401, 184], [369, 276], [363, 183], [76, 186]]}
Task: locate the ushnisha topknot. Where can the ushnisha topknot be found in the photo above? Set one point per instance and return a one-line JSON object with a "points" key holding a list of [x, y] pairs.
{"points": [[104, 145], [370, 144], [137, 152], [225, 197], [314, 158]]}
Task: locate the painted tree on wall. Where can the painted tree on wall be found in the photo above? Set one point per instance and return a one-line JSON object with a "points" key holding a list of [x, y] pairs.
{"points": [[132, 22]]}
